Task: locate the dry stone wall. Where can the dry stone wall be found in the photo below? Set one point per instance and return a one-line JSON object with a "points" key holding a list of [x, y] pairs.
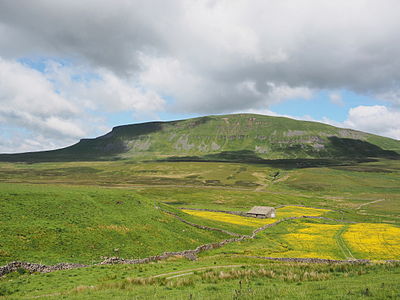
{"points": [[32, 268], [189, 254]]}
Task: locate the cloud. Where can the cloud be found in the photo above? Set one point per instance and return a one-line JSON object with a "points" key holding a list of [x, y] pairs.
{"points": [[62, 102], [336, 98], [392, 96], [17, 140], [29, 100], [217, 46], [211, 56], [376, 119], [100, 89], [200, 94]]}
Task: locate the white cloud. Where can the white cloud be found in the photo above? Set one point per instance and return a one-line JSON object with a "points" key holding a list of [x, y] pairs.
{"points": [[194, 93], [375, 119], [336, 98], [29, 100], [24, 89], [392, 96], [278, 93], [55, 106], [216, 45], [213, 56], [101, 89], [17, 140]]}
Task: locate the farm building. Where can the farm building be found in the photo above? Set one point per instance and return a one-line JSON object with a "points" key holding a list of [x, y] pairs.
{"points": [[262, 212]]}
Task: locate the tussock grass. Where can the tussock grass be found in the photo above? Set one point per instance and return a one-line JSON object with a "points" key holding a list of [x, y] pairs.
{"points": [[52, 224]]}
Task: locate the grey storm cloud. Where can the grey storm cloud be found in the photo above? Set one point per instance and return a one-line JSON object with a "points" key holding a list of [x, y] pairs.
{"points": [[217, 56]]}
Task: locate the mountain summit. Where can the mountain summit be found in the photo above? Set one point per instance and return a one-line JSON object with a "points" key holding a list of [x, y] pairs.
{"points": [[224, 137]]}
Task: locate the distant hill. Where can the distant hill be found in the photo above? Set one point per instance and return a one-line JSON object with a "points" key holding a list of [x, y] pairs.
{"points": [[236, 137]]}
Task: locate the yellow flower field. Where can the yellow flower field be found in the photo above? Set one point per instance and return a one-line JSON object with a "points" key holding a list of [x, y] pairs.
{"points": [[374, 241], [228, 218], [316, 240], [298, 211], [283, 212]]}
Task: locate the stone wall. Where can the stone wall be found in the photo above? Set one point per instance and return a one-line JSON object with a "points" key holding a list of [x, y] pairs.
{"points": [[32, 268], [189, 254]]}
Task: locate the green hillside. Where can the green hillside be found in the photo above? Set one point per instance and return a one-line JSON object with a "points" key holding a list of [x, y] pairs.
{"points": [[83, 224], [81, 212], [244, 137], [146, 189]]}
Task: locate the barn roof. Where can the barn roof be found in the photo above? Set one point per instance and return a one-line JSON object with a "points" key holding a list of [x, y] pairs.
{"points": [[261, 210]]}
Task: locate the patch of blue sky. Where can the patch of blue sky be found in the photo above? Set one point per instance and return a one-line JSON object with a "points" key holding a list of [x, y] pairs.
{"points": [[40, 63], [36, 64], [321, 106], [168, 116], [9, 132], [120, 118]]}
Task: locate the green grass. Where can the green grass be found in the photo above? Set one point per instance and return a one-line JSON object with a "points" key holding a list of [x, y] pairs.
{"points": [[61, 221], [209, 279], [52, 224], [81, 211], [274, 243]]}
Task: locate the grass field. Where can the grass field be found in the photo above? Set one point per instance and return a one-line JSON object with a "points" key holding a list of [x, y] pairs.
{"points": [[208, 278], [52, 224], [84, 211]]}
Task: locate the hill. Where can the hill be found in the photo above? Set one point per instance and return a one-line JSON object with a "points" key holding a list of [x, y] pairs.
{"points": [[147, 216], [244, 137]]}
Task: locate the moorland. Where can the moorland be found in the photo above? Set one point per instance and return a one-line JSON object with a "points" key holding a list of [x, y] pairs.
{"points": [[109, 203]]}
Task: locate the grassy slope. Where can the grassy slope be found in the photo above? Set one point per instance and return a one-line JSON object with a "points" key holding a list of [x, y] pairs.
{"points": [[242, 185], [52, 224], [61, 222], [279, 280], [243, 136]]}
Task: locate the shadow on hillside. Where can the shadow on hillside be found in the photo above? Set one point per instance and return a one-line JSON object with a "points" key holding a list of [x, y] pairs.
{"points": [[341, 152], [345, 147], [338, 152], [276, 163], [104, 148]]}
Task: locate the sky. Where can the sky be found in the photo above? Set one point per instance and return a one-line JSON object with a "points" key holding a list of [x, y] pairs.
{"points": [[74, 69]]}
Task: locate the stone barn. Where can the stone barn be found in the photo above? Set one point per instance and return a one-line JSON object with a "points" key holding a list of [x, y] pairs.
{"points": [[262, 212]]}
